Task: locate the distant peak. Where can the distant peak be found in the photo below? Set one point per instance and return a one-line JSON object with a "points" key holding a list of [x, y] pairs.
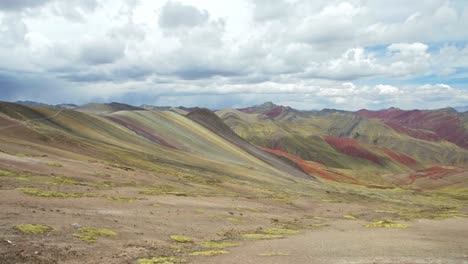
{"points": [[267, 104]]}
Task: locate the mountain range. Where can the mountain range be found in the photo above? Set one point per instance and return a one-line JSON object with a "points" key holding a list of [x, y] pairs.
{"points": [[363, 147], [116, 183]]}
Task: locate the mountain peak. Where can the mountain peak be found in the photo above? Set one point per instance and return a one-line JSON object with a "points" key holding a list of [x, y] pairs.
{"points": [[267, 104]]}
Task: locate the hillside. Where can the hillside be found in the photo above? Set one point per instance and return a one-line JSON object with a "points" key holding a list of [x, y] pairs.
{"points": [[430, 125], [358, 144]]}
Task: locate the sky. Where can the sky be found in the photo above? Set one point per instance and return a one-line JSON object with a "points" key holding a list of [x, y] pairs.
{"points": [[317, 54]]}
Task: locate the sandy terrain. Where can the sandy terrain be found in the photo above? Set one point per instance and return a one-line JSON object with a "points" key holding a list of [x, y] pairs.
{"points": [[426, 241]]}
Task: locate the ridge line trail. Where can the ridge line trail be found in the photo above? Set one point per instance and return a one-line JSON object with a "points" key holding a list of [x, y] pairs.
{"points": [[33, 120]]}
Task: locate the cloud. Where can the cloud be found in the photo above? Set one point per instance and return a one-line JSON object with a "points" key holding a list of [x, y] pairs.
{"points": [[12, 30], [387, 89], [175, 15], [15, 5], [101, 52], [311, 54], [265, 10]]}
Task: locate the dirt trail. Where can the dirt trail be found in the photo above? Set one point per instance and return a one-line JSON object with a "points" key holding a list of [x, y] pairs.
{"points": [[425, 241]]}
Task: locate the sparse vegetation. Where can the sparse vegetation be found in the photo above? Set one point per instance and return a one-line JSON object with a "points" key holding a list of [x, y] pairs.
{"points": [[386, 223], [91, 234], [219, 245], [350, 217], [53, 194], [181, 239], [162, 190], [281, 231], [121, 199], [53, 164], [209, 253], [33, 228], [261, 236], [234, 220], [161, 260]]}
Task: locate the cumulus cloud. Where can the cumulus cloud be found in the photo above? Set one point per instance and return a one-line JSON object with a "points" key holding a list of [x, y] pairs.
{"points": [[14, 5], [101, 52], [175, 14], [311, 54]]}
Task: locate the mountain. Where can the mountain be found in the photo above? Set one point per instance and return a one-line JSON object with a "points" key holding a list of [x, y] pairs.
{"points": [[152, 140], [430, 125], [30, 103], [363, 144], [96, 108], [115, 183], [212, 122], [67, 106]]}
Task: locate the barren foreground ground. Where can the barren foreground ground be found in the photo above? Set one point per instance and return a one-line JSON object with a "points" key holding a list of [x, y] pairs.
{"points": [[318, 229]]}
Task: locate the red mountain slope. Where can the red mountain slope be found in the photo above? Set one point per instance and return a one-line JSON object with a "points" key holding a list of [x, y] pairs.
{"points": [[352, 147], [432, 125]]}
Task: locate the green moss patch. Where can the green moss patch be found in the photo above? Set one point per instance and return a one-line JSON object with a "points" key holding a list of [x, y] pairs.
{"points": [[219, 245], [209, 253], [281, 231], [350, 217], [52, 194], [163, 190], [161, 260], [33, 229], [90, 234], [181, 239], [234, 220], [386, 223], [57, 165], [121, 199], [261, 236]]}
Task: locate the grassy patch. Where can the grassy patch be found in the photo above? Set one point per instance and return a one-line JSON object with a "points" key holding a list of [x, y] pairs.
{"points": [[273, 254], [162, 190], [234, 220], [209, 253], [350, 217], [52, 194], [90, 234], [161, 260], [281, 231], [53, 164], [33, 229], [181, 239], [386, 223], [121, 199], [219, 245], [261, 236]]}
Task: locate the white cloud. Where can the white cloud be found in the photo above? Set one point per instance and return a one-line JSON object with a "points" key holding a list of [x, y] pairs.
{"points": [[387, 89], [334, 50]]}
